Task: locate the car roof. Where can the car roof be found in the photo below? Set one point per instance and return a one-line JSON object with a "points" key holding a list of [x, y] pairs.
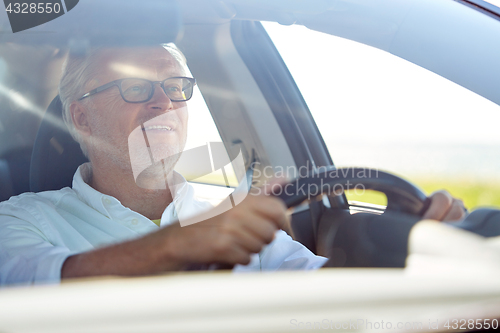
{"points": [[445, 37]]}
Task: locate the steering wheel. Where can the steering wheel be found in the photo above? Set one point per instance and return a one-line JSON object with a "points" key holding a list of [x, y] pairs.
{"points": [[370, 240], [363, 239], [402, 196]]}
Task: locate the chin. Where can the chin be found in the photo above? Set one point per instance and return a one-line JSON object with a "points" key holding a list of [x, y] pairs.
{"points": [[154, 177], [151, 165]]}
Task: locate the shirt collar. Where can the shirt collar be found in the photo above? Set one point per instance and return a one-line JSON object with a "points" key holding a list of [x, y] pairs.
{"points": [[87, 193], [184, 202]]}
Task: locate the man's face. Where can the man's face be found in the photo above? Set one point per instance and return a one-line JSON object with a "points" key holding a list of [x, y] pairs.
{"points": [[119, 129]]}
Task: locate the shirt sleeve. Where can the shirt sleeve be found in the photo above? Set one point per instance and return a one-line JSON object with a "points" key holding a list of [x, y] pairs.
{"points": [[283, 253], [26, 256]]}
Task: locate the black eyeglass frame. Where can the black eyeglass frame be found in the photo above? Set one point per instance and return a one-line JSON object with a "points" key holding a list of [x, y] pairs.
{"points": [[153, 83]]}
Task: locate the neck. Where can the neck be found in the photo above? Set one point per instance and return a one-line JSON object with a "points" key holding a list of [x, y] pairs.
{"points": [[149, 199]]}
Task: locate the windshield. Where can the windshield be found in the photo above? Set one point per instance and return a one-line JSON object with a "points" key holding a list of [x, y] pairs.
{"points": [[375, 109], [145, 142]]}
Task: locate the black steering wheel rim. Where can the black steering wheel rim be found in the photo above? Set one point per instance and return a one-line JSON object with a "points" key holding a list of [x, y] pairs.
{"points": [[402, 196]]}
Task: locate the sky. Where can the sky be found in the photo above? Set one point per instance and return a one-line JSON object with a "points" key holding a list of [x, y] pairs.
{"points": [[373, 108], [365, 84]]}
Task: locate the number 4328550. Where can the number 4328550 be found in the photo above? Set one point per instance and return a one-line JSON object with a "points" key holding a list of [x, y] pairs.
{"points": [[32, 8], [471, 324]]}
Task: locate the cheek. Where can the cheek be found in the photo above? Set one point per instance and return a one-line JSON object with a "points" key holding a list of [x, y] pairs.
{"points": [[184, 118], [108, 118], [111, 106], [182, 113], [184, 121]]}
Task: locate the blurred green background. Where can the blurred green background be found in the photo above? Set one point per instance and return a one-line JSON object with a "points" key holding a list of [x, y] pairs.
{"points": [[474, 193]]}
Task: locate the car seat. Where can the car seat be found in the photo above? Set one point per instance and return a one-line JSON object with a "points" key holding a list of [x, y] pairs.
{"points": [[6, 189], [56, 155], [14, 172]]}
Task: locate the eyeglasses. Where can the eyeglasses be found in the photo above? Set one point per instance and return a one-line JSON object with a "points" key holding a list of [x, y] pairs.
{"points": [[178, 89]]}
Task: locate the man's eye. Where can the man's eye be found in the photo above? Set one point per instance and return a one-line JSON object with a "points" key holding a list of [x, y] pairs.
{"points": [[136, 89], [174, 88]]}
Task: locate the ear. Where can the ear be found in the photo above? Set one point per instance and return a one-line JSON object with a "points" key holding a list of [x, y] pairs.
{"points": [[79, 116]]}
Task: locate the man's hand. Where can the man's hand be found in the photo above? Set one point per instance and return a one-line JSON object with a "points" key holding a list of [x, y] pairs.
{"points": [[444, 207], [230, 237]]}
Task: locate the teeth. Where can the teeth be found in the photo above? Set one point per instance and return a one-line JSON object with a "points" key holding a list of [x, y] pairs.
{"points": [[168, 128]]}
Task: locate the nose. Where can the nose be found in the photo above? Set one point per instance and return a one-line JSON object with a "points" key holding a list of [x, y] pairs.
{"points": [[160, 101]]}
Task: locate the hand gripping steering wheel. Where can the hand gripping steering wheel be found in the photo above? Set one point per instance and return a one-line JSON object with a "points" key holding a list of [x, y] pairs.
{"points": [[363, 239]]}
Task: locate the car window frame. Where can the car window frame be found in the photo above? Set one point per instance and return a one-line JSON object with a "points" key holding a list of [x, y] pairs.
{"points": [[284, 98]]}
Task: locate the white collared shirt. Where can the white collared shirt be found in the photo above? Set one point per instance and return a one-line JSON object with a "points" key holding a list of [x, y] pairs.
{"points": [[38, 231]]}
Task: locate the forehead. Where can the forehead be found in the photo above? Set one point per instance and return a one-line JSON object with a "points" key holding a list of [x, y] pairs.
{"points": [[153, 63]]}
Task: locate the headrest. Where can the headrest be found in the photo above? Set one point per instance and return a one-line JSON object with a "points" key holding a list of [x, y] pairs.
{"points": [[56, 155]]}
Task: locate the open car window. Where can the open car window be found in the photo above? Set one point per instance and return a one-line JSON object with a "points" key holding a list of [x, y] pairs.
{"points": [[377, 110]]}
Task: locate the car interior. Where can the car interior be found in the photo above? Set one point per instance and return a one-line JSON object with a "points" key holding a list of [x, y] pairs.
{"points": [[255, 104], [249, 99]]}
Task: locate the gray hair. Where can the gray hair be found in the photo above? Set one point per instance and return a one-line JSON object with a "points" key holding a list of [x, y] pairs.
{"points": [[77, 71]]}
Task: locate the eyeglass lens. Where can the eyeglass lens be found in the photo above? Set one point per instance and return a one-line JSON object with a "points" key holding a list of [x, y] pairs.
{"points": [[139, 90]]}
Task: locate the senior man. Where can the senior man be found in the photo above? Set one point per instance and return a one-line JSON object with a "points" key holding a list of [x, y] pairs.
{"points": [[106, 223]]}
